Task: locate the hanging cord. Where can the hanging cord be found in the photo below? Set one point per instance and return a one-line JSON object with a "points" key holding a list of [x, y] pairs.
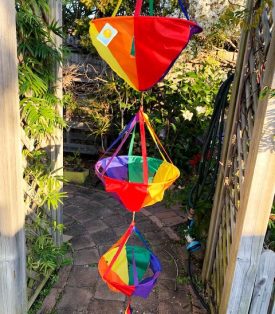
{"points": [[194, 287]]}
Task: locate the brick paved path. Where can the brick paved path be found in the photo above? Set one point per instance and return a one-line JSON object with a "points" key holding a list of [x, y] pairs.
{"points": [[96, 221]]}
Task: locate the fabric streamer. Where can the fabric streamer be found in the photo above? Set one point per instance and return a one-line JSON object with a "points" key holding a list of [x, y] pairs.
{"points": [[129, 310], [142, 49]]}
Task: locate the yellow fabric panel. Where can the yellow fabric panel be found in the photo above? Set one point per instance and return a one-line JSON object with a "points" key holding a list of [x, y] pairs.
{"points": [[106, 54], [163, 179], [166, 172], [120, 266], [155, 194]]}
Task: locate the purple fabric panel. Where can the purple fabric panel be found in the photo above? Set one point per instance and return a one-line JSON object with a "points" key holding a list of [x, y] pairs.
{"points": [[195, 30], [146, 286], [118, 168], [155, 264]]}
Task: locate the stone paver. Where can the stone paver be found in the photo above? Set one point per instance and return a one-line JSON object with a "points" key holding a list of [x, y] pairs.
{"points": [[83, 277], [63, 276], [68, 220], [170, 306], [147, 306], [86, 256], [114, 221], [50, 301], [84, 216], [157, 221], [105, 306], [105, 237], [104, 293], [72, 210], [95, 225], [75, 229], [96, 221], [82, 242], [119, 231], [75, 299], [173, 221], [168, 214]]}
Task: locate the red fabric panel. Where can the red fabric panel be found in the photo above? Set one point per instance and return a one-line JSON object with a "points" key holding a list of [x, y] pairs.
{"points": [[113, 280], [132, 195], [159, 41], [127, 290]]}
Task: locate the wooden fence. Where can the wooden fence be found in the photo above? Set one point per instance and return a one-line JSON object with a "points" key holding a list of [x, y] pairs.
{"points": [[245, 185], [78, 138]]}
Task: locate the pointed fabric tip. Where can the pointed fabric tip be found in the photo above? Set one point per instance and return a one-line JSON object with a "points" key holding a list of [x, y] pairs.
{"points": [[129, 310]]}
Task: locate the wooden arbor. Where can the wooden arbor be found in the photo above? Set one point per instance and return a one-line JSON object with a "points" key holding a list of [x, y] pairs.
{"points": [[13, 274], [12, 213], [246, 182]]}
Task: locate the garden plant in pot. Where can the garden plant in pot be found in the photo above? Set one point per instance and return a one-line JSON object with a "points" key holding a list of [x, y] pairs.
{"points": [[74, 171]]}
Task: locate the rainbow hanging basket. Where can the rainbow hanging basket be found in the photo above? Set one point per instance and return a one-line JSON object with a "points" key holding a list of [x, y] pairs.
{"points": [[124, 266], [142, 49], [137, 181]]}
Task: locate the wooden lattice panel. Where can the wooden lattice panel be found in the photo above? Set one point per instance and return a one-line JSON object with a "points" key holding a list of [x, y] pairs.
{"points": [[245, 104]]}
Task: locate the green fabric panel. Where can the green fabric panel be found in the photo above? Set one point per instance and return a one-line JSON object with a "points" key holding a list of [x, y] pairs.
{"points": [[153, 165], [142, 258], [135, 170], [133, 48]]}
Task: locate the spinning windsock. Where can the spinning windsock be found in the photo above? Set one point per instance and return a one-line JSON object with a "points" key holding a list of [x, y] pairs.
{"points": [[137, 181], [141, 49], [123, 267]]}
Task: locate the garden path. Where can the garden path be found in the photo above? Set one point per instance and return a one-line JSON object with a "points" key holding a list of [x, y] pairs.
{"points": [[95, 221]]}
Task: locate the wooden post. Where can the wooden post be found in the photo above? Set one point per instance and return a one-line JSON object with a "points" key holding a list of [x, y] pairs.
{"points": [[57, 138], [12, 213], [264, 283], [255, 203]]}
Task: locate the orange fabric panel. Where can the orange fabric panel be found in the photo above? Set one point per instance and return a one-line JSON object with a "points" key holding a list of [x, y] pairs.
{"points": [[122, 44]]}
